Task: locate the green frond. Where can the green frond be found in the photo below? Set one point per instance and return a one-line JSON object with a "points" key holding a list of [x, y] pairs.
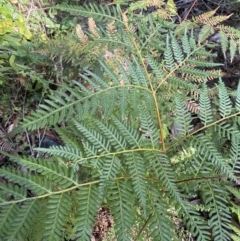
{"points": [[63, 151], [165, 173], [225, 104], [205, 32], [37, 184], [168, 55], [224, 42], [195, 223], [68, 137], [89, 199], [98, 12], [96, 138], [177, 50], [19, 220], [57, 213], [235, 155], [232, 49], [109, 170], [121, 204], [208, 151], [238, 97], [137, 170], [206, 115], [118, 142], [186, 43], [131, 135], [156, 68], [150, 134], [183, 117], [237, 231], [219, 215], [159, 224], [8, 190], [228, 130], [50, 169]]}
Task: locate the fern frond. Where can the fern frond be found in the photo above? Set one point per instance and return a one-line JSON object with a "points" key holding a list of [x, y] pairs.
{"points": [[207, 150], [58, 208], [206, 115], [89, 200], [235, 155], [225, 104], [63, 151], [36, 184], [219, 215], [238, 97], [148, 128], [160, 226], [183, 117], [206, 31], [137, 170], [81, 35], [60, 174], [19, 220], [97, 12], [11, 190], [121, 204]]}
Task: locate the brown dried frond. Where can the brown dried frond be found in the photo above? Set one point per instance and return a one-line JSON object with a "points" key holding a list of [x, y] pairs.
{"points": [[111, 30], [81, 35], [209, 19], [93, 27], [151, 3], [192, 106]]}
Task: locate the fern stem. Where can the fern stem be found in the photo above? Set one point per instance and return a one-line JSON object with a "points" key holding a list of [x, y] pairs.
{"points": [[201, 129], [153, 92], [144, 226]]}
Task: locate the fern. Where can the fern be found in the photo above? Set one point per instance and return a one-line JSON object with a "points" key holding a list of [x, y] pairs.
{"points": [[141, 126]]}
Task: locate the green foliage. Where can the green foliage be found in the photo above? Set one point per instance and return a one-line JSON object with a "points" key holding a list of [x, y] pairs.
{"points": [[127, 124]]}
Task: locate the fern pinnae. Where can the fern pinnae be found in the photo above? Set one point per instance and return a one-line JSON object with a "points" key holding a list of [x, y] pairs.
{"points": [[7, 215], [219, 215], [185, 43], [22, 222], [58, 208], [109, 171], [35, 183], [94, 137], [207, 150], [238, 97], [235, 155], [117, 141], [206, 115], [130, 134], [168, 55], [233, 49], [225, 105], [121, 204], [177, 50], [156, 68], [63, 151], [160, 226], [183, 117], [137, 170], [97, 12], [89, 200], [148, 127], [12, 190]]}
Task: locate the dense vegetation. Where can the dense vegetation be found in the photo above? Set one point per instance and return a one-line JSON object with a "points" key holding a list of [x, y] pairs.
{"points": [[130, 108]]}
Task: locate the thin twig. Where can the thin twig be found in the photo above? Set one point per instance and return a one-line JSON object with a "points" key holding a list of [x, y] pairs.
{"points": [[189, 10]]}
